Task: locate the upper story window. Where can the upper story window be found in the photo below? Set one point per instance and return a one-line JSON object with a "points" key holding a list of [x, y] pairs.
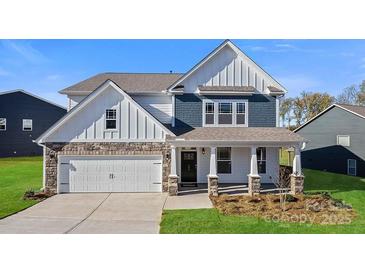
{"points": [[209, 113], [343, 140], [224, 113], [111, 119], [261, 160], [2, 123], [27, 124]]}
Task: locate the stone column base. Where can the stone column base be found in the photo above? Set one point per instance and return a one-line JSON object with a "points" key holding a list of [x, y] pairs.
{"points": [[213, 185], [254, 184], [296, 184], [172, 184]]}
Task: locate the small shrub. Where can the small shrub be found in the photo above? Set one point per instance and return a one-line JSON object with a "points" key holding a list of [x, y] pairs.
{"points": [[290, 198]]}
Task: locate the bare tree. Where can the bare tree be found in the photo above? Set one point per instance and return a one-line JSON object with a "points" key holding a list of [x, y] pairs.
{"points": [[282, 184], [349, 95]]}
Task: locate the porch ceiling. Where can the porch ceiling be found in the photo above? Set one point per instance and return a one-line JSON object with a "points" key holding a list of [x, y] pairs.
{"points": [[238, 135]]}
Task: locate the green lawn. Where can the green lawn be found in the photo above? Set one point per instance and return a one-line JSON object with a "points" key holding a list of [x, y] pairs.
{"points": [[350, 189], [16, 176]]}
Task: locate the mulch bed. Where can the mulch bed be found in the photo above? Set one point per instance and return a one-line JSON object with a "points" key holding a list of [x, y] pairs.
{"points": [[315, 209], [36, 195]]}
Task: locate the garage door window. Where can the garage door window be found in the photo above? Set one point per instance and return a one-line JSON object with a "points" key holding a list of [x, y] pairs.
{"points": [[111, 119]]}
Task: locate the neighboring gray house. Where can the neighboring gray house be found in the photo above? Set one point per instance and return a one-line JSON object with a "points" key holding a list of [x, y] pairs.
{"points": [[336, 140], [23, 118], [153, 132]]}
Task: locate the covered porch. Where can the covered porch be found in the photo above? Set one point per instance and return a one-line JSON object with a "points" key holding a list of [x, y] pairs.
{"points": [[232, 160]]}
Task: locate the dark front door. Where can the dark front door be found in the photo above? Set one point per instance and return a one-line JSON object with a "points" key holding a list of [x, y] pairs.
{"points": [[188, 166]]}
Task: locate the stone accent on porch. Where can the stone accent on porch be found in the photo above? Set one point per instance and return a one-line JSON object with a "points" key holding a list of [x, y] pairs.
{"points": [[296, 184], [297, 178], [212, 185], [254, 184], [254, 179], [172, 185]]}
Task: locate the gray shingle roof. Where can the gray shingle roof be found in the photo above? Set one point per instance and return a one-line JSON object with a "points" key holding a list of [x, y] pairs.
{"points": [[360, 110], [129, 82], [249, 134]]}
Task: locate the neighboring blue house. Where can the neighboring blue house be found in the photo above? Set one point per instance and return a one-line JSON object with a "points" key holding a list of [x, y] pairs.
{"points": [[216, 124], [23, 118], [336, 140]]}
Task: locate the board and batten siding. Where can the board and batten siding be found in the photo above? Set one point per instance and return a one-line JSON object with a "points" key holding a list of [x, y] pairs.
{"points": [[227, 68], [160, 106], [88, 124]]}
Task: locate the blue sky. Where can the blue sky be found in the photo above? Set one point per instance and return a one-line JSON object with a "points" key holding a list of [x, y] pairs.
{"points": [[44, 67]]}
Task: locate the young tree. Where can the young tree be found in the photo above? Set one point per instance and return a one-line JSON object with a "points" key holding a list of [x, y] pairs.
{"points": [[361, 94]]}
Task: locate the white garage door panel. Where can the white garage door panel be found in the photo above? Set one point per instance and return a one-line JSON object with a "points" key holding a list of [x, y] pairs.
{"points": [[111, 174]]}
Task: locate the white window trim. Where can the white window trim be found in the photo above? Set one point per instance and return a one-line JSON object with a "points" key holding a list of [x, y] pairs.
{"points": [[230, 160], [234, 112], [348, 167], [260, 160], [4, 125], [116, 120], [338, 140], [31, 125]]}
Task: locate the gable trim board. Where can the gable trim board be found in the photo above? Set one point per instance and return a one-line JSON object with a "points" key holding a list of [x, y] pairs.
{"points": [[237, 50], [326, 110], [90, 98], [32, 95]]}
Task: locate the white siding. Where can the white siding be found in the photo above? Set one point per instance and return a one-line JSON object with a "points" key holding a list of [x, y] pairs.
{"points": [[160, 106], [74, 100], [240, 166], [227, 68], [88, 124]]}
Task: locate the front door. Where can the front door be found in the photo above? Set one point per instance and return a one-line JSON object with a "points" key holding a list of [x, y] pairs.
{"points": [[188, 167]]}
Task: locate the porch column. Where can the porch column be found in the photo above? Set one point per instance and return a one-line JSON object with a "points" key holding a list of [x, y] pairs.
{"points": [[297, 178], [254, 179], [212, 176], [173, 178]]}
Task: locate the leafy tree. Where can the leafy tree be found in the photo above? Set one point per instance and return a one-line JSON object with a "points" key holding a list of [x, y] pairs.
{"points": [[286, 107]]}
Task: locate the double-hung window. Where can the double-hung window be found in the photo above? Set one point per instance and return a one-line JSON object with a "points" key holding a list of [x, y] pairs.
{"points": [[27, 124], [241, 113], [224, 162], [3, 124], [225, 114], [111, 119], [209, 113], [261, 160], [351, 167]]}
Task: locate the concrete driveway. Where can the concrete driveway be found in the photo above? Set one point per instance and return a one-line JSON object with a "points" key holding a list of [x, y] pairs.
{"points": [[90, 213]]}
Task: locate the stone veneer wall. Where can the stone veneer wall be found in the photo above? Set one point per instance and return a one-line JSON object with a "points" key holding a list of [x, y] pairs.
{"points": [[79, 149]]}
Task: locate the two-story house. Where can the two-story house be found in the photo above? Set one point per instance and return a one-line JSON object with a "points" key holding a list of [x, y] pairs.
{"points": [[336, 140], [218, 123], [23, 118]]}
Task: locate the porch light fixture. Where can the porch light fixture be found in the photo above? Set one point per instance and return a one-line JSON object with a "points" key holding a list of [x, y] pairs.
{"points": [[203, 151]]}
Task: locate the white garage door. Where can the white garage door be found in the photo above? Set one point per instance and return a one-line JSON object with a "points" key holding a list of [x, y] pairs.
{"points": [[110, 174]]}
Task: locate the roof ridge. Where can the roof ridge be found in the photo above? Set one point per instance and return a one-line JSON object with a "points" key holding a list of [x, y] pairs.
{"points": [[165, 73]]}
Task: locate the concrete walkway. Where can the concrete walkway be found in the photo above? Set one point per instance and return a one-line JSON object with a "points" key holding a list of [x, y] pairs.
{"points": [[90, 213], [190, 201]]}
